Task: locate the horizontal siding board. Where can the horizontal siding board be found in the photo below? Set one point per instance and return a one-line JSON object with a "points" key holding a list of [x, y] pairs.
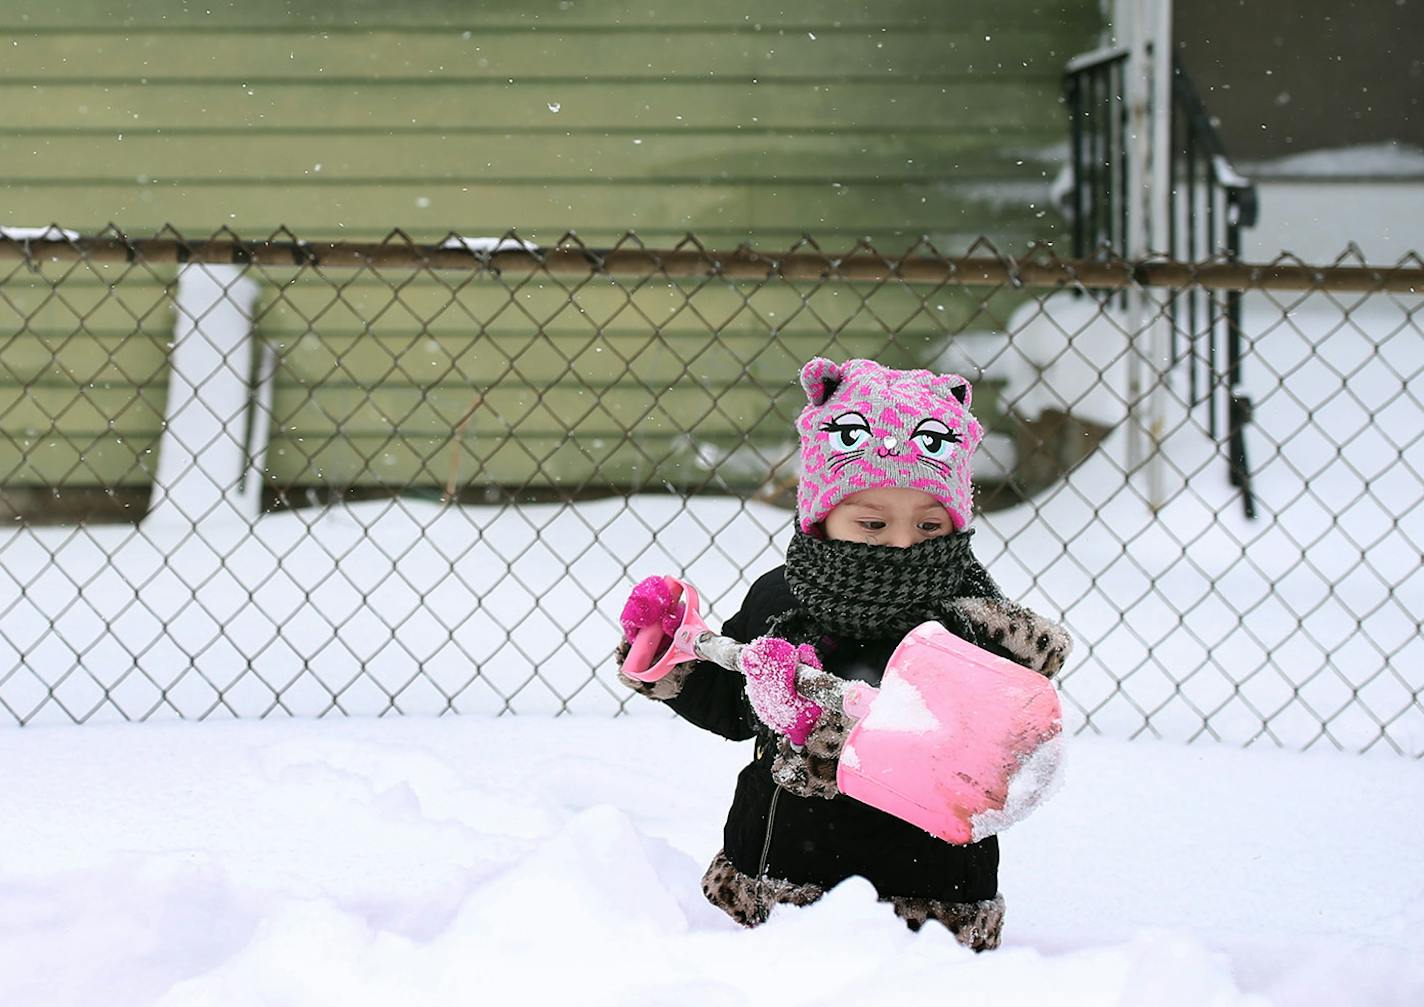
{"points": [[986, 103], [538, 211], [573, 406], [85, 412], [134, 352], [943, 51], [599, 304], [416, 462], [131, 359], [51, 460], [529, 461], [849, 158], [69, 299], [521, 410], [357, 16], [597, 360], [1013, 235]]}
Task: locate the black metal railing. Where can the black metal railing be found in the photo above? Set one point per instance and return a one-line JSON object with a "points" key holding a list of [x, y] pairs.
{"points": [[1208, 204], [1095, 85]]}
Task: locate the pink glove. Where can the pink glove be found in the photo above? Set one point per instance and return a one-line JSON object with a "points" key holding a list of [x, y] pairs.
{"points": [[769, 663], [651, 604]]}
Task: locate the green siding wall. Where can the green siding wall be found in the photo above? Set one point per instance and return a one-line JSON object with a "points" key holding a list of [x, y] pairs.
{"points": [[735, 121], [731, 119]]}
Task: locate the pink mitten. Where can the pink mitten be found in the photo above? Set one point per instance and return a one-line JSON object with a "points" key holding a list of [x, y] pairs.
{"points": [[769, 663], [651, 604]]}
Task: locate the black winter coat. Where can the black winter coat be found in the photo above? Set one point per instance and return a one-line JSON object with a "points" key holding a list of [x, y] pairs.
{"points": [[813, 840]]}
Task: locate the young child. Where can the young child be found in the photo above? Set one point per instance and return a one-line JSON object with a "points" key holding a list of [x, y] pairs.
{"points": [[885, 463]]}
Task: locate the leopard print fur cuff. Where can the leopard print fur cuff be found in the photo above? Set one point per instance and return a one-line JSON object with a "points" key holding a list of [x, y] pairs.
{"points": [[1035, 642], [665, 688], [979, 926], [749, 900], [811, 771]]}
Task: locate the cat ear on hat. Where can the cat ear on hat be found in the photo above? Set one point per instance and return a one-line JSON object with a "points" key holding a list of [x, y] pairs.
{"points": [[953, 386], [820, 378]]}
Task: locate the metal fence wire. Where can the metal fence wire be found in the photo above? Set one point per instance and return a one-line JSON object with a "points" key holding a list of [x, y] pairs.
{"points": [[247, 479]]}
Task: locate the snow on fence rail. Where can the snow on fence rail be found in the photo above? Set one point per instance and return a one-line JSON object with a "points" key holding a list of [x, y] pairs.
{"points": [[469, 450]]}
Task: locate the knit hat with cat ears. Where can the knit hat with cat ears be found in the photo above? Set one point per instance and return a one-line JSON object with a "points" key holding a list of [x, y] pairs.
{"points": [[867, 427]]}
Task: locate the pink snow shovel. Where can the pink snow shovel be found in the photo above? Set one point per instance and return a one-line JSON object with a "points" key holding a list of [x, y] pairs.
{"points": [[959, 741]]}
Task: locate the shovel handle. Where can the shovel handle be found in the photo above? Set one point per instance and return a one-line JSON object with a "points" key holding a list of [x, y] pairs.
{"points": [[819, 686]]}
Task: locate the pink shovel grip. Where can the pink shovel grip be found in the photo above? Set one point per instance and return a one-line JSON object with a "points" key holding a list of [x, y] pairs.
{"points": [[648, 660], [643, 652]]}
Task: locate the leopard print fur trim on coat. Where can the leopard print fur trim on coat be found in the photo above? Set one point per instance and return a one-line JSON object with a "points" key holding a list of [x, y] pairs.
{"points": [[811, 771], [749, 901], [1035, 642], [979, 926], [664, 688]]}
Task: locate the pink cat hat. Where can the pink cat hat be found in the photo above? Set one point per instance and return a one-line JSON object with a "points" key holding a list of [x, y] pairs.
{"points": [[866, 426]]}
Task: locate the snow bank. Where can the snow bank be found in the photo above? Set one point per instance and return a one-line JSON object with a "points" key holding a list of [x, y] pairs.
{"points": [[488, 245], [450, 861], [1073, 357], [1389, 159], [50, 233]]}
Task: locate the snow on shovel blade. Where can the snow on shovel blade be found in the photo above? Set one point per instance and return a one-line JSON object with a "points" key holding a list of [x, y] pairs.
{"points": [[959, 741]]}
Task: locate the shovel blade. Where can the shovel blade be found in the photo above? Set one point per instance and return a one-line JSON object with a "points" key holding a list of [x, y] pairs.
{"points": [[959, 741]]}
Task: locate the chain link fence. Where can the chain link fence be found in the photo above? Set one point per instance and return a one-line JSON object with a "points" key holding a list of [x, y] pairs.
{"points": [[291, 478]]}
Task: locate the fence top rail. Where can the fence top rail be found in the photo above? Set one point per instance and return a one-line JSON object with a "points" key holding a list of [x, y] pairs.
{"points": [[1038, 269]]}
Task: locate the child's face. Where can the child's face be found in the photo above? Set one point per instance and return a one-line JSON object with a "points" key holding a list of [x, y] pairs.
{"points": [[891, 516]]}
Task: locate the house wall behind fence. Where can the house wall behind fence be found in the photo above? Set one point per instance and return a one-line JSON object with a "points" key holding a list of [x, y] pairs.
{"points": [[351, 119], [347, 119]]}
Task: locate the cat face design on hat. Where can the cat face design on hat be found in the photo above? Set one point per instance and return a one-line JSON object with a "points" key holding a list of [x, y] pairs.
{"points": [[866, 426]]}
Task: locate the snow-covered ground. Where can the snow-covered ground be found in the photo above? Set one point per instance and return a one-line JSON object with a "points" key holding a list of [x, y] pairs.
{"points": [[1388, 159], [526, 860], [1310, 203]]}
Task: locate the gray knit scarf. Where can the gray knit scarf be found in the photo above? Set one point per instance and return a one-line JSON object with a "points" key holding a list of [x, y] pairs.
{"points": [[854, 589]]}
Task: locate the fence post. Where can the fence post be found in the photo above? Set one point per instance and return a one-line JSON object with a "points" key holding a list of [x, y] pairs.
{"points": [[203, 453], [1136, 148]]}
